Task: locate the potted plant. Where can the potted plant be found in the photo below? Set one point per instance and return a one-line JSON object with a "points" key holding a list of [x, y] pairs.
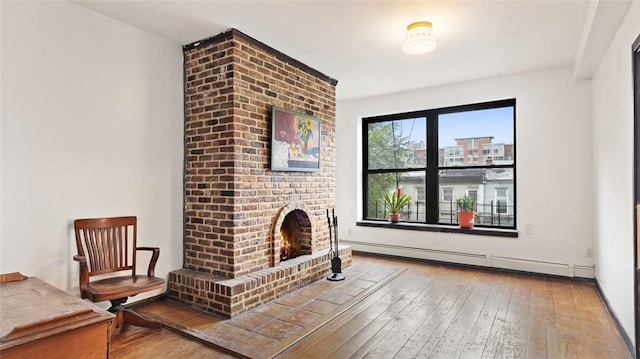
{"points": [[466, 211], [395, 203]]}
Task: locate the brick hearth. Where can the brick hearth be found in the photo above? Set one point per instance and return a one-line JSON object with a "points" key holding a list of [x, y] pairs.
{"points": [[234, 203], [229, 297]]}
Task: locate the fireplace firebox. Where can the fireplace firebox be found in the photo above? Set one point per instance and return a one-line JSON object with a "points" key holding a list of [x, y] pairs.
{"points": [[295, 235]]}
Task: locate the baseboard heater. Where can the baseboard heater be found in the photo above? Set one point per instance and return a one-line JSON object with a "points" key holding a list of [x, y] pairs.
{"points": [[481, 260]]}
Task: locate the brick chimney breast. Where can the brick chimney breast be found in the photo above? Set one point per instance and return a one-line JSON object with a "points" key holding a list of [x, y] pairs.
{"points": [[234, 204]]}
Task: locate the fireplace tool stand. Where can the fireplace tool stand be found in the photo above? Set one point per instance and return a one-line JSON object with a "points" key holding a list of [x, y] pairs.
{"points": [[336, 262]]}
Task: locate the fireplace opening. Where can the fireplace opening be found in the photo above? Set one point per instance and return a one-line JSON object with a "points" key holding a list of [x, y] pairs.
{"points": [[295, 235], [290, 245]]}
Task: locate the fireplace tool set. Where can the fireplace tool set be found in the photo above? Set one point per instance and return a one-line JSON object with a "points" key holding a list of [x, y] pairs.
{"points": [[336, 262]]}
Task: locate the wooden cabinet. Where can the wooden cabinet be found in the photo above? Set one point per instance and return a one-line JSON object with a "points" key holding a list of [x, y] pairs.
{"points": [[38, 320]]}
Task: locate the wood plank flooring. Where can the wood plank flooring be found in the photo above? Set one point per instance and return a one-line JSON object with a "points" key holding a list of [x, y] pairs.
{"points": [[143, 343], [437, 311]]}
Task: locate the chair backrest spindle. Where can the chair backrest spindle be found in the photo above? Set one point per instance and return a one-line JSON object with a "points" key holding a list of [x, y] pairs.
{"points": [[108, 243]]}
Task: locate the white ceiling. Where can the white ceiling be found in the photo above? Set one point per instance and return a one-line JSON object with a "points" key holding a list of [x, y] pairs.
{"points": [[359, 43]]}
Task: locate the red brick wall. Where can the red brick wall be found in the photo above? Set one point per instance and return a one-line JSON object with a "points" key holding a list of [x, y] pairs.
{"points": [[232, 198]]}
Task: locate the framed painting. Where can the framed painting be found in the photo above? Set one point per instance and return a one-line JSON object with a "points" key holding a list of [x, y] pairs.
{"points": [[295, 141]]}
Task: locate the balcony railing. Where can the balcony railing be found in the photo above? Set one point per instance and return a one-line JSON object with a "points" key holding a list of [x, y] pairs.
{"points": [[494, 213]]}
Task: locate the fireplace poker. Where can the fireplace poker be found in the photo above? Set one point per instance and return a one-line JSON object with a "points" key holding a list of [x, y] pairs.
{"points": [[336, 262], [330, 234]]}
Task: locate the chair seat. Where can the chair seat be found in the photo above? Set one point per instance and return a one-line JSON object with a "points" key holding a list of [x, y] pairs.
{"points": [[121, 287]]}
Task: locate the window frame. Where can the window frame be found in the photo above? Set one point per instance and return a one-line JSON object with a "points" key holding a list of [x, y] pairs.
{"points": [[433, 167]]}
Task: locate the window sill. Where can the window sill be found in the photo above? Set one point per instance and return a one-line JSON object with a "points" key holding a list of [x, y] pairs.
{"points": [[478, 231]]}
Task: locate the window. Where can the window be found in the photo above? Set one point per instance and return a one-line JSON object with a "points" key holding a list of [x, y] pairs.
{"points": [[447, 194], [501, 200], [437, 156]]}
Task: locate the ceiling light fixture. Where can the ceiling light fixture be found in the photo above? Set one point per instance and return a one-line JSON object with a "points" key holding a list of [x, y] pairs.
{"points": [[419, 39]]}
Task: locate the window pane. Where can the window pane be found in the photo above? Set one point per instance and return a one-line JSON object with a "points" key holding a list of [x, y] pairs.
{"points": [[397, 144], [413, 185], [492, 188], [476, 138]]}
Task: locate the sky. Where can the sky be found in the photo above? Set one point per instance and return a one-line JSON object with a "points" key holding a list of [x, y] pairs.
{"points": [[497, 122]]}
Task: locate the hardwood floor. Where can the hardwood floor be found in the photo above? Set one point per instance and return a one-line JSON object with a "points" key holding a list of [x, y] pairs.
{"points": [[143, 343], [437, 311]]}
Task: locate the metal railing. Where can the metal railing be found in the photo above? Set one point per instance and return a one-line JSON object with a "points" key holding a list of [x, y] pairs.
{"points": [[494, 213]]}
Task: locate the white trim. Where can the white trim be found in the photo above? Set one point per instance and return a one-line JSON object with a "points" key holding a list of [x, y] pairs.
{"points": [[477, 191], [481, 260]]}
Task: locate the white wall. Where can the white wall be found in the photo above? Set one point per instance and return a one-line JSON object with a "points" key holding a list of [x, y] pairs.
{"points": [[554, 174], [92, 126], [613, 170]]}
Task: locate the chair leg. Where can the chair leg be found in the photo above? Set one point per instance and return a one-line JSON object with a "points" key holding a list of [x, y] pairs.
{"points": [[133, 318], [127, 316]]}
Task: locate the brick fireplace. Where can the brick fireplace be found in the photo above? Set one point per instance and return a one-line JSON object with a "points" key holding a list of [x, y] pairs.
{"points": [[250, 234]]}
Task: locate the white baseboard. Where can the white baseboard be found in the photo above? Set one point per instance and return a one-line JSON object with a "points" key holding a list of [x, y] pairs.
{"points": [[487, 261]]}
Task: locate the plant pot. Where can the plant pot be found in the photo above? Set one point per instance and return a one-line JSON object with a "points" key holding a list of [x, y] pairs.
{"points": [[466, 219], [394, 217]]}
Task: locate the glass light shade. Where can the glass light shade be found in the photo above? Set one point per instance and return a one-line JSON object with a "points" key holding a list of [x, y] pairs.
{"points": [[420, 38]]}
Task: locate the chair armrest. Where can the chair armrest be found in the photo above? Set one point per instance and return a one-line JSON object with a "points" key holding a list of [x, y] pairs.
{"points": [[84, 273], [154, 258]]}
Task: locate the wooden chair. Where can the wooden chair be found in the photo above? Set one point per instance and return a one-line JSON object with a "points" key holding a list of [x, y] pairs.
{"points": [[107, 246]]}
